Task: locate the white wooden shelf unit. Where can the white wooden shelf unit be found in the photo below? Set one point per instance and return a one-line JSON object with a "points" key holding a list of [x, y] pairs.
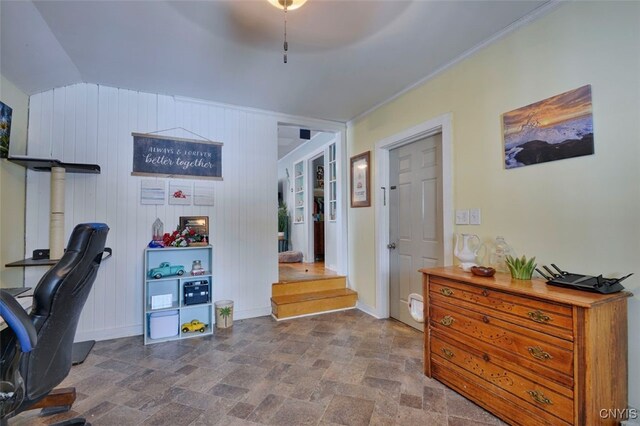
{"points": [[174, 285]]}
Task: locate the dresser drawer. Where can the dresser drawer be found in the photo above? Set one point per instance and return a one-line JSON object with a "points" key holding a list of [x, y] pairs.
{"points": [[533, 395], [535, 314], [492, 398], [540, 349]]}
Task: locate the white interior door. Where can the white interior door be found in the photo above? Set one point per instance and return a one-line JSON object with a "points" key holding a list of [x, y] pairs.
{"points": [[415, 220]]}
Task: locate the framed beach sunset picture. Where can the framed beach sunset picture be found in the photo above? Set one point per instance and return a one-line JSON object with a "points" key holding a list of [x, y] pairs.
{"points": [[5, 129], [556, 128]]}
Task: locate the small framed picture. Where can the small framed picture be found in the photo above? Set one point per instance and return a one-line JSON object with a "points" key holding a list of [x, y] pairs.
{"points": [[200, 224], [361, 180], [180, 193]]}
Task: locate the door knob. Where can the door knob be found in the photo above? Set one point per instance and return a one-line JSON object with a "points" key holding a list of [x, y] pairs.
{"points": [[391, 246]]}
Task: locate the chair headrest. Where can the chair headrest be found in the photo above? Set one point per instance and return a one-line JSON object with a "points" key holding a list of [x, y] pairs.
{"points": [[84, 251]]}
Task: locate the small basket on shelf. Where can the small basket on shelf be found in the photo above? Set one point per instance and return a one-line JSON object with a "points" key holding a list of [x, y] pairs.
{"points": [[198, 244]]}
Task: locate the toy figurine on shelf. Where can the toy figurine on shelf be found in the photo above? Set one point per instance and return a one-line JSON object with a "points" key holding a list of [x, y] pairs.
{"points": [[194, 325], [166, 269], [197, 269]]}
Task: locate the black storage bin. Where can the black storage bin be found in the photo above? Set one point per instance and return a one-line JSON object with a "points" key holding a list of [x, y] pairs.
{"points": [[196, 292]]}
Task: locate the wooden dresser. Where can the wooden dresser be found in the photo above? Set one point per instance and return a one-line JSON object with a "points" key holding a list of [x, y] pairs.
{"points": [[530, 353]]}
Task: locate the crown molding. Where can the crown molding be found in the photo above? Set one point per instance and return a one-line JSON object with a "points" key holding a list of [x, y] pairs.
{"points": [[525, 20]]}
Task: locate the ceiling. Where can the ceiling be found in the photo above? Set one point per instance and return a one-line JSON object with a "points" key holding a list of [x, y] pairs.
{"points": [[345, 57], [289, 138]]}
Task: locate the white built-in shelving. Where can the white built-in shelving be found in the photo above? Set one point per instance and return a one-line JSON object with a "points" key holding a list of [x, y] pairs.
{"points": [[332, 183], [299, 188]]}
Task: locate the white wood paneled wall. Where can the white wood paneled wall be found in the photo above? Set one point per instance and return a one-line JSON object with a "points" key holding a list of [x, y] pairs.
{"points": [[87, 123]]}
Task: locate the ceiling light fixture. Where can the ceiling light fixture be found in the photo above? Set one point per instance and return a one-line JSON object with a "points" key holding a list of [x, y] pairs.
{"points": [[286, 5]]}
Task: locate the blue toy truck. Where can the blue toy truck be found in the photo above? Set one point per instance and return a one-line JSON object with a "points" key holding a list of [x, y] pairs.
{"points": [[166, 269]]}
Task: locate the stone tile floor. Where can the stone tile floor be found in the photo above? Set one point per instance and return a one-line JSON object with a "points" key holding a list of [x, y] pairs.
{"points": [[344, 368]]}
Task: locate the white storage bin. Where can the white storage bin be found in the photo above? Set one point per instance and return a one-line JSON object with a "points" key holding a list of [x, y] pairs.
{"points": [[163, 324]]}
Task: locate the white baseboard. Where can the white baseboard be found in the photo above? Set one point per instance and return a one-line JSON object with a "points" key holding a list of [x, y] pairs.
{"points": [[136, 330], [367, 310], [252, 313], [109, 333]]}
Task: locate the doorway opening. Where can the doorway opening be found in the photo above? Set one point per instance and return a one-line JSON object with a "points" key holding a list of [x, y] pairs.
{"points": [[313, 203], [444, 220], [316, 236]]}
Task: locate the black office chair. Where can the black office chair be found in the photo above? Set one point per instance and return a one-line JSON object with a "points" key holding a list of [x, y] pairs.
{"points": [[36, 349]]}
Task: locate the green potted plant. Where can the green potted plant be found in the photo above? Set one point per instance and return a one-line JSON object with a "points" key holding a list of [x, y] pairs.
{"points": [[283, 218], [521, 268]]}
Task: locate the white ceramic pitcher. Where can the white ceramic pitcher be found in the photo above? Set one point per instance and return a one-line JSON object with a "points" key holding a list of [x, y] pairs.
{"points": [[468, 253]]}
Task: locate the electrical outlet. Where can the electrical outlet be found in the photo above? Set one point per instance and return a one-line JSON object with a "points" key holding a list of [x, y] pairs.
{"points": [[474, 216], [462, 217]]}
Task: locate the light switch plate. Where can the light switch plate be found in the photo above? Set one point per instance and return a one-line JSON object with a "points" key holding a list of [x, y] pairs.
{"points": [[474, 216], [462, 217]]}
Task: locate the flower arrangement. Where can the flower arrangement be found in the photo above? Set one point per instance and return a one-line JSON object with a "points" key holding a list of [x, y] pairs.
{"points": [[183, 238]]}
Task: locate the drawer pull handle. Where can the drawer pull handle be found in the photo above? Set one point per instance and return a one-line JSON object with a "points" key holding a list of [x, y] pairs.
{"points": [[539, 316], [538, 353], [486, 357], [539, 397], [446, 291], [447, 321], [447, 353], [485, 293], [485, 319]]}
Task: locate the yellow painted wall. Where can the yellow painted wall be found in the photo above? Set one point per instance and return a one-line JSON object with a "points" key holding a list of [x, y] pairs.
{"points": [[12, 188], [581, 213]]}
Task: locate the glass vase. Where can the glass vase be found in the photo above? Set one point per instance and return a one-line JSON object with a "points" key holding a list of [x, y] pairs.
{"points": [[499, 253]]}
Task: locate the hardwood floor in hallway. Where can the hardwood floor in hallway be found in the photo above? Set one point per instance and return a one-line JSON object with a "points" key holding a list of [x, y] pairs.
{"points": [[289, 272]]}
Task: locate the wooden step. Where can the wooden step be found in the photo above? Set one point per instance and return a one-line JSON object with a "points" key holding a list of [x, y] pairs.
{"points": [[298, 287], [292, 305]]}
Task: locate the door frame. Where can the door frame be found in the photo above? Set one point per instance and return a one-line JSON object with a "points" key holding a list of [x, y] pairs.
{"points": [[443, 125]]}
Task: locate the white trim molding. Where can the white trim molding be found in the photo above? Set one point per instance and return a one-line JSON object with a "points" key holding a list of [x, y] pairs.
{"points": [[367, 309], [442, 124], [137, 330], [109, 333]]}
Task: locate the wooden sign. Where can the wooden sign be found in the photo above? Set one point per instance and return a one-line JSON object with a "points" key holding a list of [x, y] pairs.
{"points": [[173, 157]]}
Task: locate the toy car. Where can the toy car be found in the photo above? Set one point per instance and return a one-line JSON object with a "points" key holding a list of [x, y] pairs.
{"points": [[194, 325], [165, 269]]}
